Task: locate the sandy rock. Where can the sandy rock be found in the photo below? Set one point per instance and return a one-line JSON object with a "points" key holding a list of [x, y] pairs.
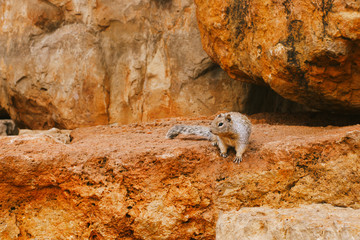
{"points": [[69, 64], [61, 136], [315, 221], [53, 72], [163, 70], [129, 182], [307, 52]]}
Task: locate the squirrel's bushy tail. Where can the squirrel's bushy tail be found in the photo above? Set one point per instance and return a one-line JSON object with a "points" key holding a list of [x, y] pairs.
{"points": [[190, 130]]}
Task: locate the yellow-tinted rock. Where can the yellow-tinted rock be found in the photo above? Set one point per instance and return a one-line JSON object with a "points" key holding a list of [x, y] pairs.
{"points": [[69, 64]]}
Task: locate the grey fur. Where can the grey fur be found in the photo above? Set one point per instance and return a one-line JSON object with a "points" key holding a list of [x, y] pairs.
{"points": [[190, 130], [230, 129]]}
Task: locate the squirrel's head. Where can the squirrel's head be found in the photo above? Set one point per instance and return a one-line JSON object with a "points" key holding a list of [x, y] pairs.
{"points": [[221, 124]]}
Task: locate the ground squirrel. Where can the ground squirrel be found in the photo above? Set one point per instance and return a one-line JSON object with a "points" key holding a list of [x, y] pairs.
{"points": [[230, 129]]}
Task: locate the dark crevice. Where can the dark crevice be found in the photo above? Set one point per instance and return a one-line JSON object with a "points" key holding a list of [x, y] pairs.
{"points": [[264, 99], [163, 4], [237, 14], [4, 114], [310, 119], [206, 70], [295, 29], [326, 7], [46, 22], [286, 5]]}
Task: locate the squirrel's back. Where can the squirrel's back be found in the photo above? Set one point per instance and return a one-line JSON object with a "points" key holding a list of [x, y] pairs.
{"points": [[230, 129]]}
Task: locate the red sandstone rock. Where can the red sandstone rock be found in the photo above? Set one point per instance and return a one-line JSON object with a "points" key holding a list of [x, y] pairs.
{"points": [[307, 51], [130, 182]]}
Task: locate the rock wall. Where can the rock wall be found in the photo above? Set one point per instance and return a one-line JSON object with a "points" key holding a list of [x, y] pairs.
{"points": [[68, 64], [307, 51]]}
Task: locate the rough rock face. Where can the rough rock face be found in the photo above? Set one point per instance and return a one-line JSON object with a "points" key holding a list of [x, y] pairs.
{"points": [[315, 221], [8, 127], [68, 64], [307, 51], [61, 136], [129, 182]]}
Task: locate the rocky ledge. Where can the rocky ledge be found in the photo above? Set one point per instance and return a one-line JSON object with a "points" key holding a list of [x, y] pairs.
{"points": [[129, 182]]}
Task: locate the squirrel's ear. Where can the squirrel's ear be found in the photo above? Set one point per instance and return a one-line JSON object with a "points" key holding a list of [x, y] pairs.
{"points": [[228, 118]]}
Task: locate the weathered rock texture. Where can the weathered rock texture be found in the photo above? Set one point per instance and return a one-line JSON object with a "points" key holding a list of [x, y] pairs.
{"points": [[307, 51], [72, 63], [61, 136], [129, 182], [8, 127], [315, 221]]}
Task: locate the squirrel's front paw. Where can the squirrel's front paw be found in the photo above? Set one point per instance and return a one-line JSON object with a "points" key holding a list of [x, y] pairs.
{"points": [[238, 160], [224, 155]]}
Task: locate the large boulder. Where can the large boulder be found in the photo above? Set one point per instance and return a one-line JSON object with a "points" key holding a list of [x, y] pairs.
{"points": [[70, 64], [307, 51]]}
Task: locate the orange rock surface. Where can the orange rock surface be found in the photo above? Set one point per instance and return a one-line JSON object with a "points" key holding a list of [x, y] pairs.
{"points": [[307, 51], [129, 182]]}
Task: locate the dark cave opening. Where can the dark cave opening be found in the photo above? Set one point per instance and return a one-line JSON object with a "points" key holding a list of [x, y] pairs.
{"points": [[264, 103], [4, 114]]}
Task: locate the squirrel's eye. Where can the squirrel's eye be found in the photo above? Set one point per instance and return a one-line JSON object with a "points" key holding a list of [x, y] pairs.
{"points": [[220, 124]]}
